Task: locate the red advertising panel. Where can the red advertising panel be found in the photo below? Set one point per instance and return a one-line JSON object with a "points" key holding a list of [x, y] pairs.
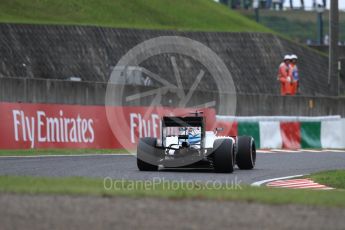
{"points": [[26, 126], [291, 135], [229, 128]]}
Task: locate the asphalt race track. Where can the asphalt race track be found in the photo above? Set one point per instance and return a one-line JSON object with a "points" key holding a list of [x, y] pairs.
{"points": [[269, 165], [87, 212]]}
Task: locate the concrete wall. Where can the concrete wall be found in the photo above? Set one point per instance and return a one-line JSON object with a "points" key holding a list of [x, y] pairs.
{"points": [[341, 53], [36, 60], [59, 52], [92, 93], [272, 105]]}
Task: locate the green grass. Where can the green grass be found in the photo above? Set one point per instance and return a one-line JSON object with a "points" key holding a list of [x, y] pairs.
{"points": [[194, 15], [335, 178], [47, 152], [95, 187]]}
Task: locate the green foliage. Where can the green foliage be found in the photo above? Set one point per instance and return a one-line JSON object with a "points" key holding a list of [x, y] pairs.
{"points": [[335, 178], [49, 152], [175, 190]]}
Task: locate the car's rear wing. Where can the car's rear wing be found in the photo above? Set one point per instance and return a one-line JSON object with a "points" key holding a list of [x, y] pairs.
{"points": [[183, 121]]}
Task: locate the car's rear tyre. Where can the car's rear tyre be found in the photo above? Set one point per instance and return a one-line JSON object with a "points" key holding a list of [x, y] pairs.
{"points": [[146, 154], [246, 152], [223, 156]]}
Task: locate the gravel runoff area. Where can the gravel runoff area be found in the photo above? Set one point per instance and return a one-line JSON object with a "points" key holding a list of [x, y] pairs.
{"points": [[86, 212]]}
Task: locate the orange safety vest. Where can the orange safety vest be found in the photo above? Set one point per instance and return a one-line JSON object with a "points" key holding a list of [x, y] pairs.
{"points": [[284, 72]]}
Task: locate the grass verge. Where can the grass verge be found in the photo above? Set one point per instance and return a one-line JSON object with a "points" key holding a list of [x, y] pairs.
{"points": [[194, 15], [334, 178], [50, 152], [173, 190]]}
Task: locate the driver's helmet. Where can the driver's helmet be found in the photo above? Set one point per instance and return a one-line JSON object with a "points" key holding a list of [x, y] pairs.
{"points": [[194, 135]]}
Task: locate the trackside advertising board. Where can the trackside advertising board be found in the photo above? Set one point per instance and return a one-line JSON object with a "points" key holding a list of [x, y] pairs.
{"points": [[289, 135], [25, 126]]}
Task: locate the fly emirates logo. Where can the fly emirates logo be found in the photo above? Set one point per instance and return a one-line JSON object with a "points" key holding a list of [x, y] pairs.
{"points": [[60, 129], [141, 127]]}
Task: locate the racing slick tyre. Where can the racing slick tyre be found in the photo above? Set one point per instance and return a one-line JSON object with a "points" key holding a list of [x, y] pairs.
{"points": [[146, 152], [246, 152], [223, 156]]}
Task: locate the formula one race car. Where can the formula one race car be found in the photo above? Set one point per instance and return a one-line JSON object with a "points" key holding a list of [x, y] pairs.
{"points": [[186, 144]]}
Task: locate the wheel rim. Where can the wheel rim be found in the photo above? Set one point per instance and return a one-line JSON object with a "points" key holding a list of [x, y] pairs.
{"points": [[252, 151]]}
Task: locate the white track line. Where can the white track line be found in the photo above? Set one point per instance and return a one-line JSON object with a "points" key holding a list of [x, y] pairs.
{"points": [[259, 183], [312, 151], [335, 150], [76, 155], [263, 151], [286, 150], [299, 150]]}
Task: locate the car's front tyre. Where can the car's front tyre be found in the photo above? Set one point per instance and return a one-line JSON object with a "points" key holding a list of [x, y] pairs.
{"points": [[246, 152]]}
